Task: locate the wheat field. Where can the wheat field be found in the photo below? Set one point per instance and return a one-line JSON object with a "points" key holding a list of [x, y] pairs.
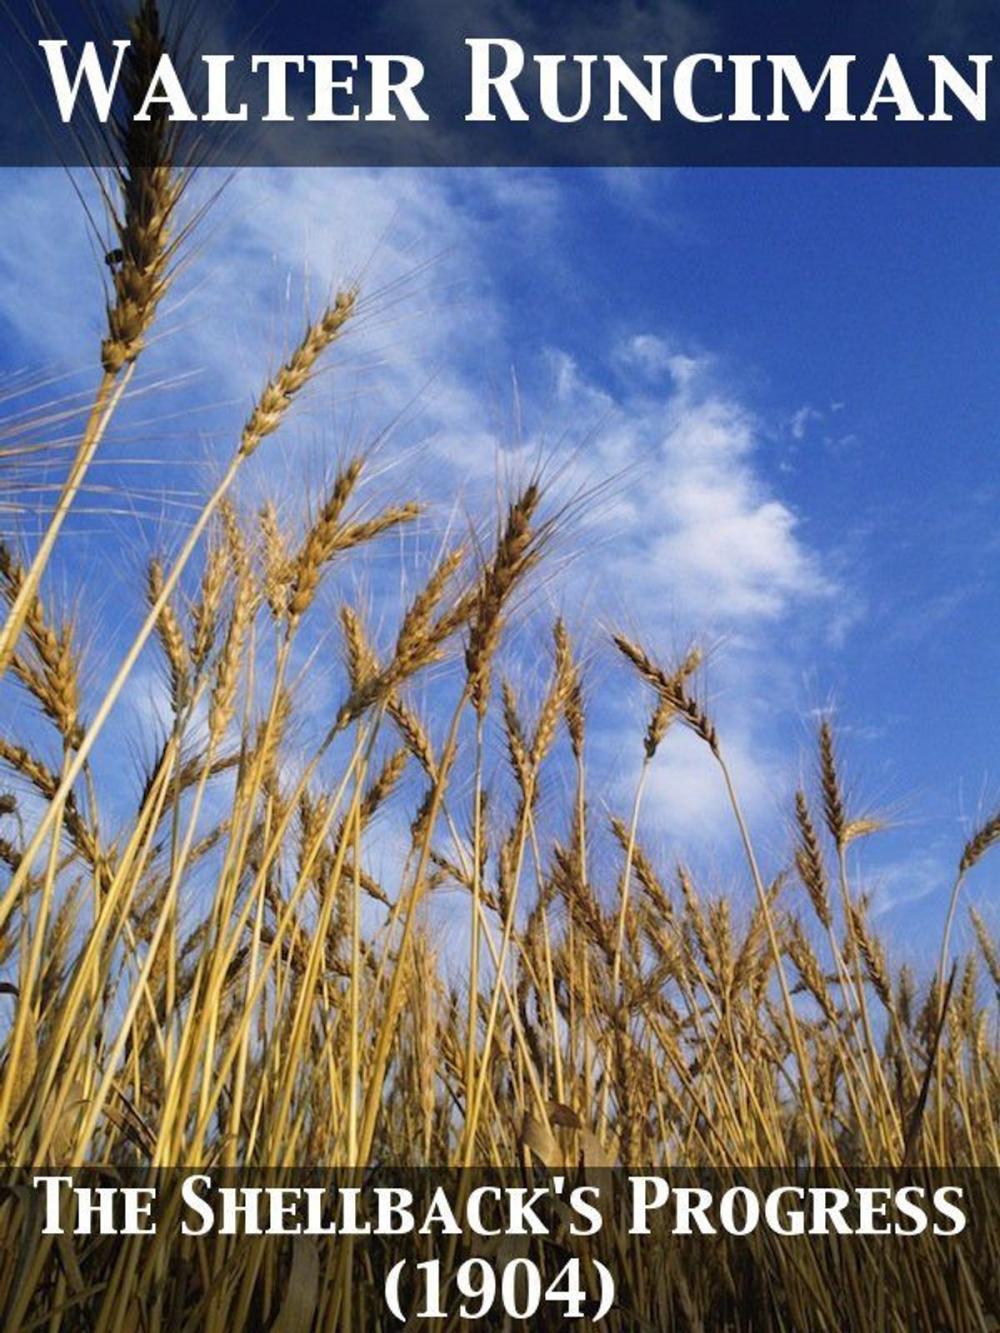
{"points": [[225, 979]]}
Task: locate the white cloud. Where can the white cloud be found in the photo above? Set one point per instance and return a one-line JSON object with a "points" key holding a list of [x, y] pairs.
{"points": [[698, 527], [655, 357], [801, 419], [908, 881], [686, 797]]}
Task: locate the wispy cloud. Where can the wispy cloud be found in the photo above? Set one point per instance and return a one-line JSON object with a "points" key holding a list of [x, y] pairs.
{"points": [[693, 532], [699, 528]]}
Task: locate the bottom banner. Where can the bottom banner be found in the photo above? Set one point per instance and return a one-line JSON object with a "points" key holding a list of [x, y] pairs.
{"points": [[388, 1248]]}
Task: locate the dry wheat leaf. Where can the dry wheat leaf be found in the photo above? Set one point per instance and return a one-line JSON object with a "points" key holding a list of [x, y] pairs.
{"points": [[302, 1292]]}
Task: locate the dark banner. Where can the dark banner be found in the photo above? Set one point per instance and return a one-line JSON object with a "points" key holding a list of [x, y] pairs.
{"points": [[524, 84], [623, 1249]]}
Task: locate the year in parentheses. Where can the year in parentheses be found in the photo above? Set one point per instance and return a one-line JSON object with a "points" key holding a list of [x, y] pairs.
{"points": [[517, 1287]]}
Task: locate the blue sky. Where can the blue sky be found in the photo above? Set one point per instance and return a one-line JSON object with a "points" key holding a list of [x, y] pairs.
{"points": [[790, 375]]}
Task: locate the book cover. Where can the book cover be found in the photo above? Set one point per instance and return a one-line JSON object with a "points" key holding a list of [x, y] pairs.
{"points": [[497, 679]]}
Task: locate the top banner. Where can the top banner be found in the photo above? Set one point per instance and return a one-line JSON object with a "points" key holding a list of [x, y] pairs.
{"points": [[518, 83]]}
